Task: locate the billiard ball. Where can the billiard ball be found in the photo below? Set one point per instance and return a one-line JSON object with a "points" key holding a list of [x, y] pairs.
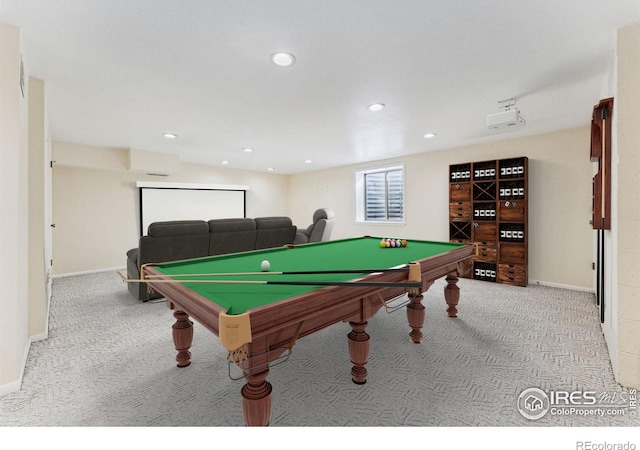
{"points": [[265, 266]]}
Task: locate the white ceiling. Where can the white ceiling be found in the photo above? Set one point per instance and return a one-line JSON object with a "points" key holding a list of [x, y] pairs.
{"points": [[120, 73]]}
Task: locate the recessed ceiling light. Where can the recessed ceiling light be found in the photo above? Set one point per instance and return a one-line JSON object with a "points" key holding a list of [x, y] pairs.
{"points": [[308, 161], [283, 59], [376, 107], [247, 150], [225, 162], [170, 135], [429, 135], [271, 169]]}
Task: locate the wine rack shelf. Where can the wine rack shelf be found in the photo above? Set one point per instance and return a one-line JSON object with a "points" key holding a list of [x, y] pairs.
{"points": [[488, 207]]}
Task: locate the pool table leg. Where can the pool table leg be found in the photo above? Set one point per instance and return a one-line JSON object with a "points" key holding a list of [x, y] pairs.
{"points": [[256, 393], [415, 317], [452, 295], [182, 337], [359, 351], [256, 399]]}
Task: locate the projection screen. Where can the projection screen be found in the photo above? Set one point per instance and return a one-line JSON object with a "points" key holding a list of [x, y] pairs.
{"points": [[160, 202]]}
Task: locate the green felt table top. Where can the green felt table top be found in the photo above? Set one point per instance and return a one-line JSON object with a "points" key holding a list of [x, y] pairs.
{"points": [[345, 254]]}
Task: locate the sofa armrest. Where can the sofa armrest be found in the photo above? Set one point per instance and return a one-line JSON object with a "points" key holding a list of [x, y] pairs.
{"points": [[301, 238], [304, 236], [137, 290]]}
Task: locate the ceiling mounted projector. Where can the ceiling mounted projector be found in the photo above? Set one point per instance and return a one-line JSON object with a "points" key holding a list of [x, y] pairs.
{"points": [[510, 118], [504, 120]]}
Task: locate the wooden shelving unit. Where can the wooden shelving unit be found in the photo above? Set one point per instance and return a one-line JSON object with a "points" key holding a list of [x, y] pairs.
{"points": [[488, 207]]}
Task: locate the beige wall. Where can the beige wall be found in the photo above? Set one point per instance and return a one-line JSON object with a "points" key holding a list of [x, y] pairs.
{"points": [[627, 214], [14, 304], [38, 301], [560, 237], [96, 203]]}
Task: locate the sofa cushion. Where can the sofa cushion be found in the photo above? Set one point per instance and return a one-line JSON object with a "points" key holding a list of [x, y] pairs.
{"points": [[274, 232], [231, 235], [173, 241], [177, 228]]}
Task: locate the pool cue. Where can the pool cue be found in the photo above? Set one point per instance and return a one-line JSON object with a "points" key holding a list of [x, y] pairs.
{"points": [[301, 272], [411, 284]]}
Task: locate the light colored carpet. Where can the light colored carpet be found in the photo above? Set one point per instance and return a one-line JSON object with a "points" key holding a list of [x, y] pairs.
{"points": [[110, 361]]}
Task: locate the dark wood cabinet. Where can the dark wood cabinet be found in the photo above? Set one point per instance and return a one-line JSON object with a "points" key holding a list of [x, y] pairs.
{"points": [[488, 208]]}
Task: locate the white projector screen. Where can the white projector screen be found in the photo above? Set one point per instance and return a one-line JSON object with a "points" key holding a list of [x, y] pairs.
{"points": [[164, 203]]}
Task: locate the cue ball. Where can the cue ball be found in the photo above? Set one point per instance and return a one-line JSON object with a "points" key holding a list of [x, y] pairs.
{"points": [[265, 266]]}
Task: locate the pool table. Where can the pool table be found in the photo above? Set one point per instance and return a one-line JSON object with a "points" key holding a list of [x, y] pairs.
{"points": [[271, 317]]}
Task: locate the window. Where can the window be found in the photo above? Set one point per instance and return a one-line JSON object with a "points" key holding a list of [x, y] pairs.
{"points": [[380, 195]]}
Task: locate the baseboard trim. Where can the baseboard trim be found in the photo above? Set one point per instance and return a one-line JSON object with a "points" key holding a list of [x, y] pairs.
{"points": [[15, 386], [87, 272], [562, 286]]}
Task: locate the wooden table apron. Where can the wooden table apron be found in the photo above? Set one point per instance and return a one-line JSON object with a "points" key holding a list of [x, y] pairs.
{"points": [[274, 325]]}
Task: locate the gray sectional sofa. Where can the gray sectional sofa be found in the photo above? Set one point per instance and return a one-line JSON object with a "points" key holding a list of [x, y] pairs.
{"points": [[175, 240]]}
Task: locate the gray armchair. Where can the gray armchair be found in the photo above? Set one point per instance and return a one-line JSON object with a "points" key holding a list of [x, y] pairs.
{"points": [[320, 230]]}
